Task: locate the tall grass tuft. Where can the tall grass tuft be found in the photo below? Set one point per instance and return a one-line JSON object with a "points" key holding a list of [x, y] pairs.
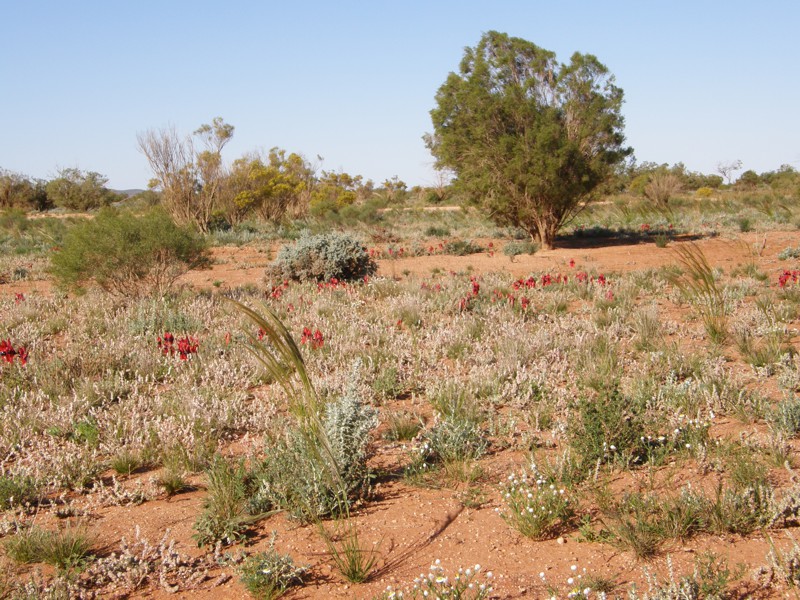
{"points": [[699, 285]]}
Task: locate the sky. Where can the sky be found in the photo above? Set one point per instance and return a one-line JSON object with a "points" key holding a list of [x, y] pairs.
{"points": [[351, 82]]}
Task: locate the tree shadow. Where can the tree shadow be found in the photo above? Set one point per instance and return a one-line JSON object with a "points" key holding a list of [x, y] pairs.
{"points": [[588, 242]]}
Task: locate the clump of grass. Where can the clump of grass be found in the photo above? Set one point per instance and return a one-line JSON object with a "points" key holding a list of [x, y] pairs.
{"points": [[515, 248], [462, 247], [765, 353], [633, 524], [402, 426], [65, 548], [17, 491], [224, 515], [699, 285], [126, 461], [351, 558], [173, 475]]}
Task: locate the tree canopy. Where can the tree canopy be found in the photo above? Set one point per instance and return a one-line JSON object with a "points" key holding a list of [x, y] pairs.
{"points": [[527, 137]]}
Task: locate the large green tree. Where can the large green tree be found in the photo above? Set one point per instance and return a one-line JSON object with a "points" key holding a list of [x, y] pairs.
{"points": [[530, 139]]}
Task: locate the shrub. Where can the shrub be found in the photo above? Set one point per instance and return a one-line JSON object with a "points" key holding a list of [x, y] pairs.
{"points": [[127, 255], [515, 248], [267, 575], [17, 491], [609, 428], [704, 192], [295, 477], [462, 247], [322, 258], [224, 517], [786, 416]]}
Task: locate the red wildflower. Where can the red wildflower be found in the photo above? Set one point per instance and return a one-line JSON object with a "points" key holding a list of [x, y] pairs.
{"points": [[22, 353], [572, 263], [19, 297]]}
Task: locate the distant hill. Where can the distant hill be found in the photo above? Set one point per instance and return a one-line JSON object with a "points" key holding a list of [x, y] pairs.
{"points": [[128, 193]]}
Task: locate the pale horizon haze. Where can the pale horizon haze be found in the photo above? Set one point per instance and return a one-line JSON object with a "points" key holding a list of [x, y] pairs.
{"points": [[353, 82]]}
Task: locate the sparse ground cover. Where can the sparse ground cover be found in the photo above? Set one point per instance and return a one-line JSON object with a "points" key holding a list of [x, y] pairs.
{"points": [[619, 411]]}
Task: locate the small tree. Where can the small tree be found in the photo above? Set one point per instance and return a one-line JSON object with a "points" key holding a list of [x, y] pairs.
{"points": [[270, 186], [19, 191], [192, 181], [528, 138], [335, 190], [727, 169], [74, 189]]}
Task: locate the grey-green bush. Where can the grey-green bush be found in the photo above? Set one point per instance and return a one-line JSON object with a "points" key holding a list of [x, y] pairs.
{"points": [[322, 258], [127, 255], [294, 477]]}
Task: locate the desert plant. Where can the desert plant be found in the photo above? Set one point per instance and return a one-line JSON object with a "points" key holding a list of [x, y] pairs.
{"points": [[402, 426], [267, 575], [296, 478], [741, 510], [699, 285], [462, 247], [17, 491], [536, 509], [322, 258], [785, 417], [224, 516], [126, 255], [607, 429], [634, 524], [353, 561], [463, 585], [765, 353], [515, 248], [65, 548], [709, 581], [662, 186], [512, 103]]}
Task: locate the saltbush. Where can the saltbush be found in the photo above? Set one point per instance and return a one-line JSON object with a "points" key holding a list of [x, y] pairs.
{"points": [[322, 258], [125, 254]]}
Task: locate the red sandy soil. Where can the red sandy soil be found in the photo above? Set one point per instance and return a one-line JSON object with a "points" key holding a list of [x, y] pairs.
{"points": [[415, 526]]}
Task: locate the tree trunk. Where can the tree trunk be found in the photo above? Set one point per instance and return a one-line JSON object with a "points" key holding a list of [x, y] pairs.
{"points": [[546, 234]]}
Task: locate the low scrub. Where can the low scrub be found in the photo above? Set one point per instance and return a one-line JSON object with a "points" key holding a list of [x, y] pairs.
{"points": [[322, 258], [127, 255]]}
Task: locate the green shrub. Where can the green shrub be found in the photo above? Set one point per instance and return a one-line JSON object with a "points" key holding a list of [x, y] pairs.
{"points": [[127, 255], [66, 548], [17, 491], [607, 428], [322, 258], [267, 575], [462, 247], [786, 416], [515, 248]]}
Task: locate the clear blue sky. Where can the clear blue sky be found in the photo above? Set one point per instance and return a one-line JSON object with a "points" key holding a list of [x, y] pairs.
{"points": [[353, 82]]}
